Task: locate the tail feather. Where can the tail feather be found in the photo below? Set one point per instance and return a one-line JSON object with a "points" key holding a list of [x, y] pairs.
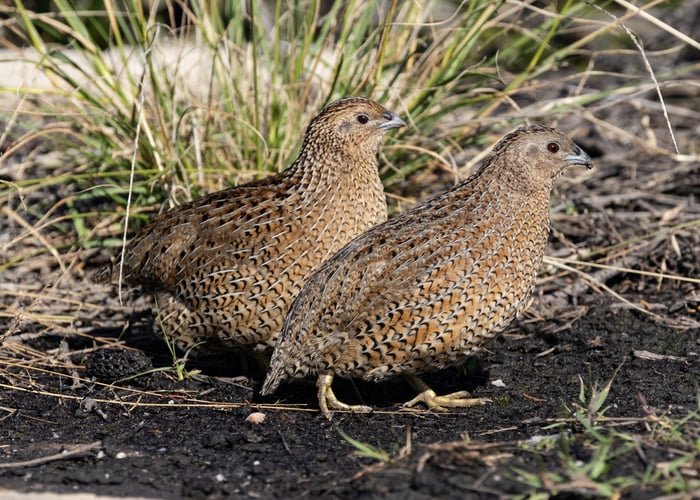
{"points": [[280, 373], [275, 376]]}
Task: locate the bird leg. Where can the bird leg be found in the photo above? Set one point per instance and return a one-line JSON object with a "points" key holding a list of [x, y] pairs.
{"points": [[427, 396], [327, 400]]}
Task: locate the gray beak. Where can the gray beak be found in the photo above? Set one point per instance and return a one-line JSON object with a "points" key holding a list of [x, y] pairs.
{"points": [[393, 121], [579, 157]]}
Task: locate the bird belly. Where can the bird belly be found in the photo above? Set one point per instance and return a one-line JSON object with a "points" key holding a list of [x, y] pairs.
{"points": [[439, 327]]}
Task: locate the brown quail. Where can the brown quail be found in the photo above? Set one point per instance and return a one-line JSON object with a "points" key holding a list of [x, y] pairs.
{"points": [[427, 288], [228, 266]]}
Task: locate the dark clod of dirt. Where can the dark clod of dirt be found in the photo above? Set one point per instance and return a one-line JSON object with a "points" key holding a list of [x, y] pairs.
{"points": [[114, 363]]}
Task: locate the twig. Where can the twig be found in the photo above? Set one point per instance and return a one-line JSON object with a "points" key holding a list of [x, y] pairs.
{"points": [[594, 281], [284, 442], [11, 411], [666, 27], [75, 450], [647, 64]]}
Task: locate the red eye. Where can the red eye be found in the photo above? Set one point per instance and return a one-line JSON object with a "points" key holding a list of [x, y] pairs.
{"points": [[362, 118], [552, 147]]}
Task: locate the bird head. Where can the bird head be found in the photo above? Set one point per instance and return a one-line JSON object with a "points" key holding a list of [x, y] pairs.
{"points": [[353, 127], [537, 155]]}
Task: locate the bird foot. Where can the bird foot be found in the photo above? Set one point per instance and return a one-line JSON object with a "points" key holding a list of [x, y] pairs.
{"points": [[459, 399], [327, 400]]}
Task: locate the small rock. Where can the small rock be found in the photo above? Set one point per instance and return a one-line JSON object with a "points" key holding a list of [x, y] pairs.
{"points": [[256, 418]]}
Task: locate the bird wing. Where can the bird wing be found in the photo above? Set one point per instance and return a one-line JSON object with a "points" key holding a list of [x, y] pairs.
{"points": [[214, 232], [397, 287], [342, 301]]}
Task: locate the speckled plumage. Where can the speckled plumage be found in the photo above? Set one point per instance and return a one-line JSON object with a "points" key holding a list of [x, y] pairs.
{"points": [[426, 288], [229, 265]]}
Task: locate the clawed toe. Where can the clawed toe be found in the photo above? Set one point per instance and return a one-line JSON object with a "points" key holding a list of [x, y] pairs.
{"points": [[328, 402], [427, 396], [458, 399], [332, 404]]}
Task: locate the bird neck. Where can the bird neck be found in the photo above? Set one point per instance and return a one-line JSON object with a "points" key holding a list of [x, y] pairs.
{"points": [[335, 172], [512, 183], [493, 194]]}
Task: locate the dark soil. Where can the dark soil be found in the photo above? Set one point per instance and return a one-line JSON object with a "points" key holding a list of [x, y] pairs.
{"points": [[179, 448]]}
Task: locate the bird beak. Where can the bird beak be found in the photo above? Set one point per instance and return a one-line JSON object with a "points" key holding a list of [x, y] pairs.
{"points": [[579, 157], [393, 121]]}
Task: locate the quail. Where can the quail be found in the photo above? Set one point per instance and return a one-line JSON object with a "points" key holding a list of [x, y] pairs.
{"points": [[427, 288], [226, 267]]}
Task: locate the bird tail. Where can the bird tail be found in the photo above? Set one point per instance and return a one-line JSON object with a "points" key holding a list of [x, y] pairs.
{"points": [[286, 362], [274, 379], [279, 372]]}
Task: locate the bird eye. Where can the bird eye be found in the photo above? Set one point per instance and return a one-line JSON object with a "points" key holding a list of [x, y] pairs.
{"points": [[552, 147], [362, 118]]}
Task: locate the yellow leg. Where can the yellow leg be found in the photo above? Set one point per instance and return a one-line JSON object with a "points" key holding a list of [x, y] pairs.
{"points": [[428, 397], [327, 400]]}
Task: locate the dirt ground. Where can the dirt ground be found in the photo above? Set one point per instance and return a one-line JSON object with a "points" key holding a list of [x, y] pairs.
{"points": [[65, 428], [183, 447]]}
